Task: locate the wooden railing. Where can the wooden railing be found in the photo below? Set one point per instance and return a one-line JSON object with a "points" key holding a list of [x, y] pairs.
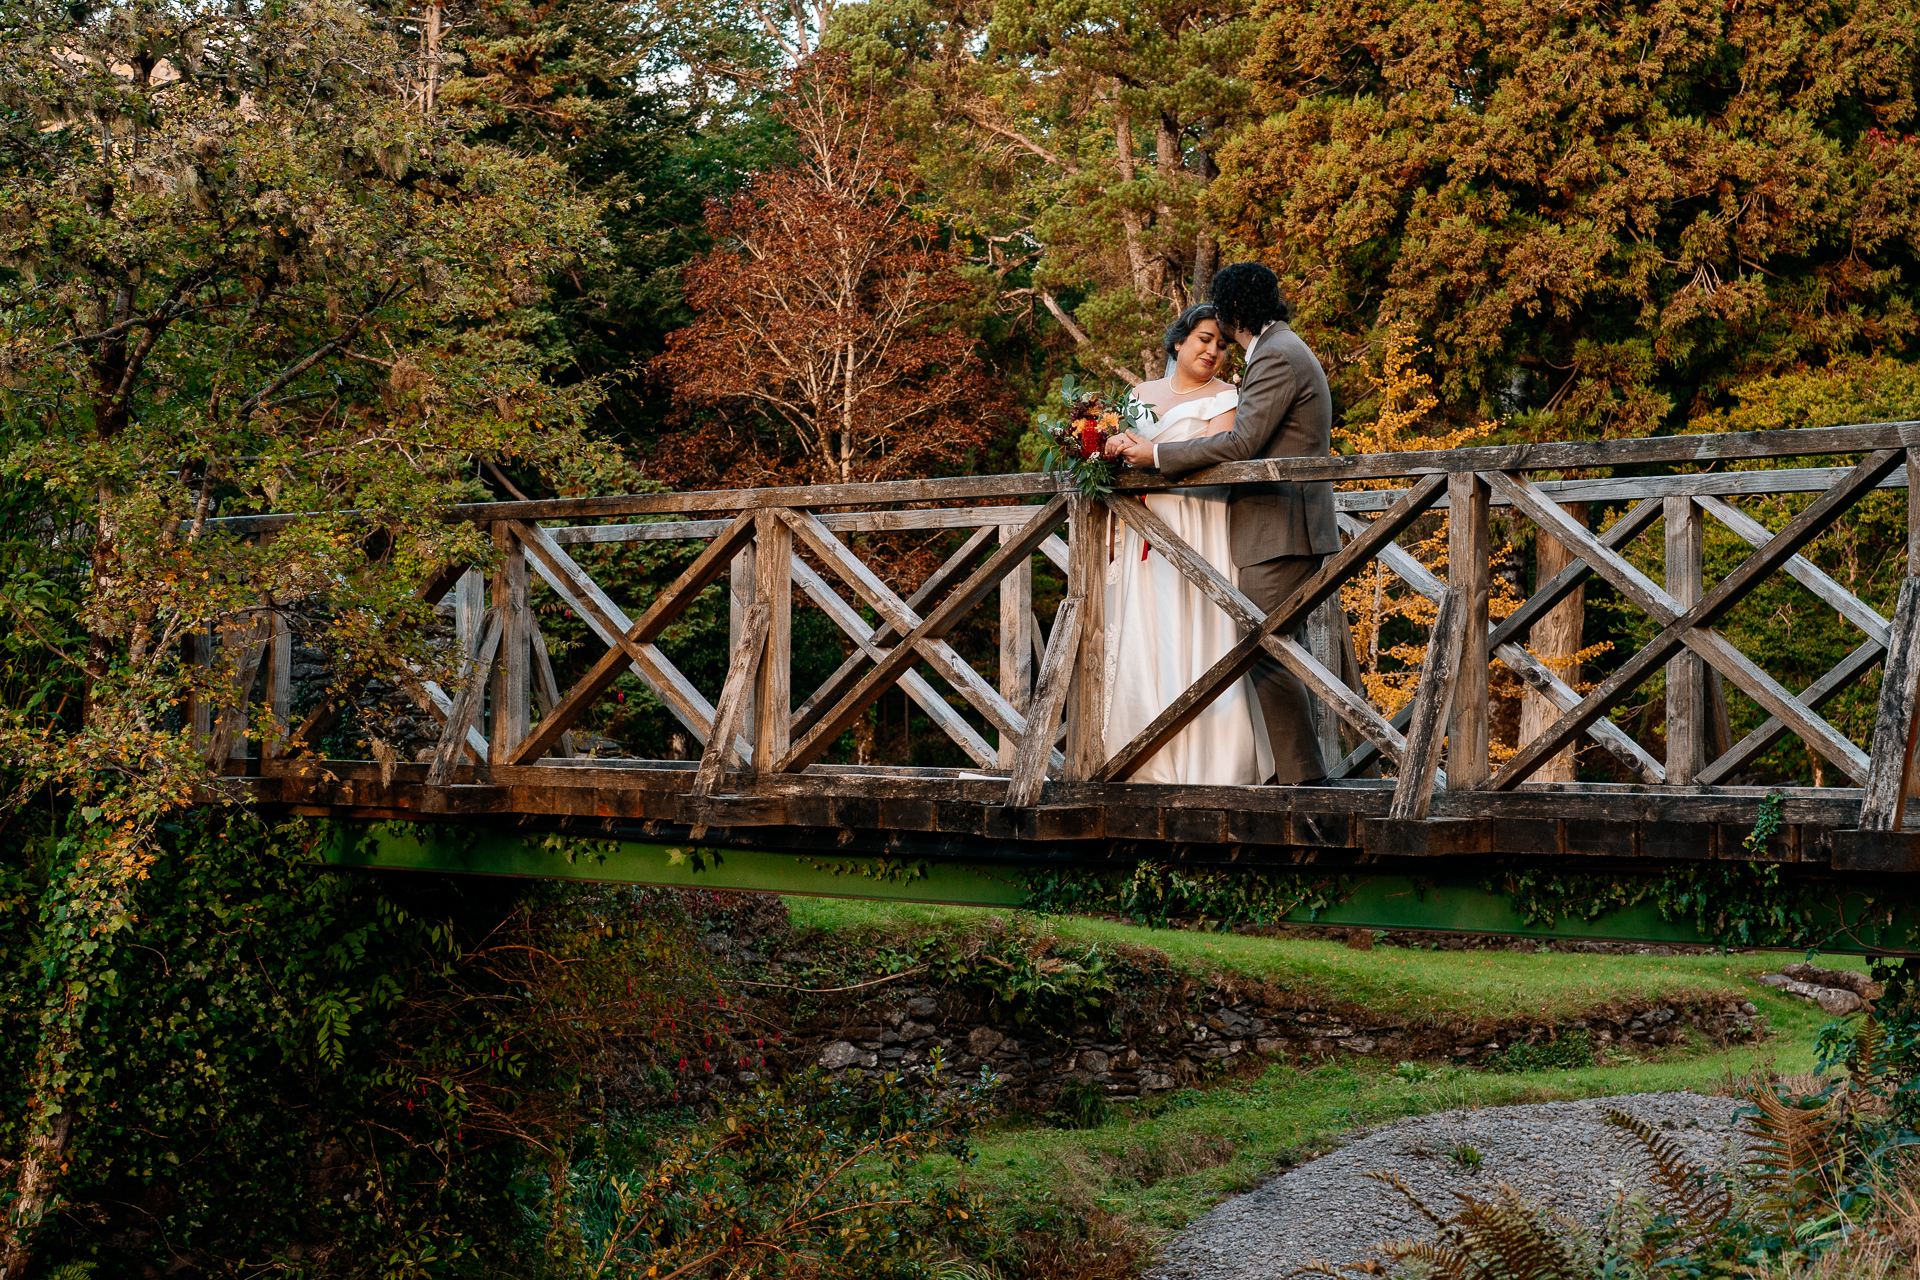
{"points": [[1045, 707]]}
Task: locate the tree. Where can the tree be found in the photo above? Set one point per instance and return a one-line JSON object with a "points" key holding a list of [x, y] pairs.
{"points": [[1600, 220], [1076, 143], [253, 265], [830, 342]]}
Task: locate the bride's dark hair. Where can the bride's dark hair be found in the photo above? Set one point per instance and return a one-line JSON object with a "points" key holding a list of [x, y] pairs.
{"points": [[1182, 329]]}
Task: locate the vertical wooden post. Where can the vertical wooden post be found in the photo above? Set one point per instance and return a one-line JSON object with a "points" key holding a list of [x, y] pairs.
{"points": [[512, 687], [279, 659], [1087, 578], [773, 686], [1469, 576], [1910, 436], [742, 587], [469, 606], [1890, 780], [1323, 642], [1688, 704], [1016, 644]]}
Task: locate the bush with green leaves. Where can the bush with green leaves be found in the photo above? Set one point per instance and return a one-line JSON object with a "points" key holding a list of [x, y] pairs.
{"points": [[809, 1177], [1159, 894], [1025, 976]]}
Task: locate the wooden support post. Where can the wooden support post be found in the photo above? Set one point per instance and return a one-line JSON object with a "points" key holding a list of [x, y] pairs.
{"points": [[1469, 576], [1056, 677], [1016, 644], [743, 673], [512, 685], [742, 584], [1087, 523], [248, 649], [1689, 704], [1883, 803], [1323, 626], [773, 687], [1440, 671], [1910, 435], [279, 659]]}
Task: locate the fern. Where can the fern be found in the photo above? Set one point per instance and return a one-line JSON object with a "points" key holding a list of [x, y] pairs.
{"points": [[1500, 1239], [1686, 1186], [1790, 1149]]}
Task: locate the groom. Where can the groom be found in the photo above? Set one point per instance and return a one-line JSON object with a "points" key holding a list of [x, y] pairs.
{"points": [[1278, 530]]}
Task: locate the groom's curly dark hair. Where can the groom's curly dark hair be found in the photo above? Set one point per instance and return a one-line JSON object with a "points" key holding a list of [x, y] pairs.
{"points": [[1247, 296]]}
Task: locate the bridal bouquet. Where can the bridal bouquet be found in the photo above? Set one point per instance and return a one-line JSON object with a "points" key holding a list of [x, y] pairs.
{"points": [[1076, 442]]}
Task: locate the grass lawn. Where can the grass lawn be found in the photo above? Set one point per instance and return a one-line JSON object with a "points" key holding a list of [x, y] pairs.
{"points": [[1443, 987], [1157, 1165]]}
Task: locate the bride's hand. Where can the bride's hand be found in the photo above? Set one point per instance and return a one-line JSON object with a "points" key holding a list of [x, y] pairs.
{"points": [[1130, 449]]}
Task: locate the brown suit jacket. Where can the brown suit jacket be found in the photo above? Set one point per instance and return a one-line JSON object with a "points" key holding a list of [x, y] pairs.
{"points": [[1285, 411]]}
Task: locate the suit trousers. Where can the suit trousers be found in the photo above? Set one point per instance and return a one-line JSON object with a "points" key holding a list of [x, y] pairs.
{"points": [[1284, 702]]}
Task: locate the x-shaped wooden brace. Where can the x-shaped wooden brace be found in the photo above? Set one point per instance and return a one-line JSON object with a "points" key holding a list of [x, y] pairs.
{"points": [[1269, 633], [631, 643], [917, 635], [1689, 627], [900, 619], [1536, 673]]}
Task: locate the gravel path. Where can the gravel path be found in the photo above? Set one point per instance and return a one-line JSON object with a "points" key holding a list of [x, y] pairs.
{"points": [[1561, 1154]]}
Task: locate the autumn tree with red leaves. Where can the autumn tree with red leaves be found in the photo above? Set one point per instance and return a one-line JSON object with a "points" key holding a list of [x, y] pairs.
{"points": [[830, 344]]}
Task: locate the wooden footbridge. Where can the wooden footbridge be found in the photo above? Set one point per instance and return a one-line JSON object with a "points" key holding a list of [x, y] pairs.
{"points": [[765, 807]]}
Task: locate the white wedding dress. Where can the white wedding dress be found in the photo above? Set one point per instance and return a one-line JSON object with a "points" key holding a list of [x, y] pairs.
{"points": [[1163, 634]]}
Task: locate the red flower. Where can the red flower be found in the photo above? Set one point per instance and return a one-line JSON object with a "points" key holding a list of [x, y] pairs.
{"points": [[1090, 440]]}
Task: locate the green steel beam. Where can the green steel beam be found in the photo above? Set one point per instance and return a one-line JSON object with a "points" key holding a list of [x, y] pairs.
{"points": [[1383, 901]]}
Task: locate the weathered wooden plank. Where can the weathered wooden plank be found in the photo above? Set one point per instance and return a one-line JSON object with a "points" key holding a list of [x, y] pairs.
{"points": [[1884, 800], [1802, 529], [1516, 625], [1470, 578], [1686, 674], [835, 687], [773, 690], [937, 623], [1049, 701], [1016, 647], [1088, 546], [469, 607], [1637, 488], [1237, 661], [279, 660], [473, 684], [512, 674], [1566, 456], [1439, 683], [631, 645], [838, 521], [1056, 552], [743, 666], [742, 578], [949, 721]]}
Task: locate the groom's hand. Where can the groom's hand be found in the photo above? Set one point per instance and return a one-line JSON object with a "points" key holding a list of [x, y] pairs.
{"points": [[1130, 449]]}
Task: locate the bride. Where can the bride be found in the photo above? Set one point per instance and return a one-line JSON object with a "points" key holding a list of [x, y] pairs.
{"points": [[1162, 633]]}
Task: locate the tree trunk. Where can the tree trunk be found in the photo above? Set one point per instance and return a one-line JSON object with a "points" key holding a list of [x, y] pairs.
{"points": [[39, 1171], [1555, 639], [1206, 249]]}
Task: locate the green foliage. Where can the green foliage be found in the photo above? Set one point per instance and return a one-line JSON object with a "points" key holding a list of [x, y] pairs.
{"points": [[1159, 894], [1568, 1052], [808, 1177], [283, 1057], [1739, 904], [1080, 1104], [1024, 975]]}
